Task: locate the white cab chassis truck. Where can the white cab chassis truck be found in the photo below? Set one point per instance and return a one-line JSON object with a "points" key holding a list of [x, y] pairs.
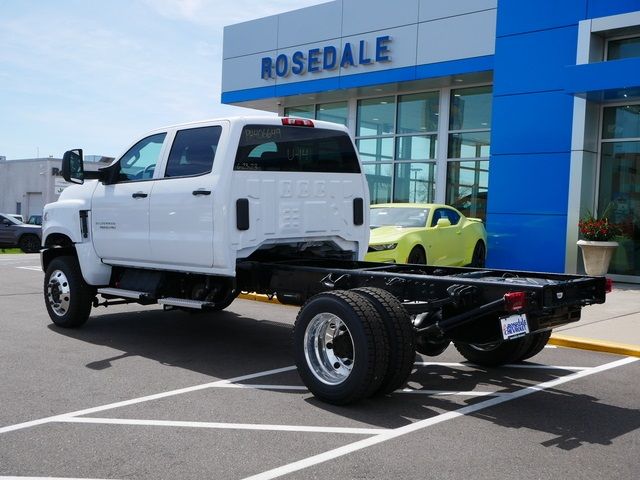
{"points": [[191, 215]]}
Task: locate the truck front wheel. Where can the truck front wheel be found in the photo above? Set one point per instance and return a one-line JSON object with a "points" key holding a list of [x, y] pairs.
{"points": [[67, 296], [341, 348]]}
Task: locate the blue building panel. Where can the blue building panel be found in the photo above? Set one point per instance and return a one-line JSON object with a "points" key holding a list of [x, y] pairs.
{"points": [[521, 16], [532, 123], [604, 8], [455, 67], [248, 94], [310, 86], [534, 62], [594, 77], [529, 184], [527, 242]]}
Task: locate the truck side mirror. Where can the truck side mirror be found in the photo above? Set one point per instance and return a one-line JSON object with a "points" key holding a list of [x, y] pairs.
{"points": [[73, 166]]}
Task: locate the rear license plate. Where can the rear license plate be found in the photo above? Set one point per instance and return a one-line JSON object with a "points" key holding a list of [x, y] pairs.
{"points": [[514, 326]]}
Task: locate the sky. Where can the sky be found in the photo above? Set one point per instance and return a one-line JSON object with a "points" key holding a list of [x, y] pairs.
{"points": [[97, 74]]}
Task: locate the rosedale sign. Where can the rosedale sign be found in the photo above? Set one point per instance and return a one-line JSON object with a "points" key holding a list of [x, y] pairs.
{"points": [[326, 58]]}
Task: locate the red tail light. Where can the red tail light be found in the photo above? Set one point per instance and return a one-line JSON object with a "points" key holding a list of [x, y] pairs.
{"points": [[514, 301], [297, 122], [608, 285]]}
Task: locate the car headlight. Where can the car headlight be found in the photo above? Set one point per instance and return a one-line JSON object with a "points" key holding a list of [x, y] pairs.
{"points": [[382, 247]]}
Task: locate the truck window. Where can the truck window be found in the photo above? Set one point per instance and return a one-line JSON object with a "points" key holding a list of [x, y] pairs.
{"points": [[295, 149], [193, 151], [140, 161]]}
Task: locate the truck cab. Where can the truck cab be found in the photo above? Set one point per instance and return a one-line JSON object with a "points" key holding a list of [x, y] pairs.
{"points": [[197, 197]]}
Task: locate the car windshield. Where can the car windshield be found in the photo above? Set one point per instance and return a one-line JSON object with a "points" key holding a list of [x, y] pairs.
{"points": [[398, 217]]}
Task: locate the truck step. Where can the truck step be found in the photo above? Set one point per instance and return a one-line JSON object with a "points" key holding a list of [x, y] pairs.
{"points": [[184, 302], [120, 292]]}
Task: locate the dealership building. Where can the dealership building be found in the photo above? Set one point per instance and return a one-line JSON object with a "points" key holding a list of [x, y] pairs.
{"points": [[526, 114]]}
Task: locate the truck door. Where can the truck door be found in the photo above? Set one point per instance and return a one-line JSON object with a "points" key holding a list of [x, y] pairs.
{"points": [[120, 211], [181, 206]]}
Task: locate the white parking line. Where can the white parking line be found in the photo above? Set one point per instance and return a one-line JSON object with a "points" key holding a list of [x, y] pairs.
{"points": [[47, 478], [218, 425], [532, 366], [544, 367], [34, 268], [124, 403], [473, 393], [419, 425], [435, 393]]}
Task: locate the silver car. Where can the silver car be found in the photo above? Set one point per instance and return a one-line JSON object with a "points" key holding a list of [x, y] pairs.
{"points": [[14, 233]]}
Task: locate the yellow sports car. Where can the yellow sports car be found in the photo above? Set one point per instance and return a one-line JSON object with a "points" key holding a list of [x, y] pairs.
{"points": [[425, 233]]}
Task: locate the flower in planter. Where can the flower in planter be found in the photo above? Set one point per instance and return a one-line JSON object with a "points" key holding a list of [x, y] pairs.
{"points": [[598, 229]]}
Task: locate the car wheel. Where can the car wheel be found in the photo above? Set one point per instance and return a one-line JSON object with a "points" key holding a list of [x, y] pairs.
{"points": [[340, 346], [479, 255], [29, 243], [417, 256], [67, 296]]}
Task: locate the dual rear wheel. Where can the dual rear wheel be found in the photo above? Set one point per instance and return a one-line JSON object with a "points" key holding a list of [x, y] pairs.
{"points": [[354, 344], [512, 351]]}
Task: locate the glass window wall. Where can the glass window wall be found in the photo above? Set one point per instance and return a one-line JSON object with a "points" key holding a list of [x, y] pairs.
{"points": [[402, 132], [619, 192], [398, 138], [336, 112], [469, 138], [623, 48]]}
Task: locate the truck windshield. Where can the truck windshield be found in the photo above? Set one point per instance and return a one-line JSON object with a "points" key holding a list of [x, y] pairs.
{"points": [[295, 149]]}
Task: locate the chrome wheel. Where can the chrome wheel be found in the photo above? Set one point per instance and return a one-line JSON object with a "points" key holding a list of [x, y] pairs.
{"points": [[59, 293], [328, 348]]}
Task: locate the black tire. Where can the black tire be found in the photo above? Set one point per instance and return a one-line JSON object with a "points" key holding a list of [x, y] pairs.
{"points": [[496, 354], [479, 256], [417, 256], [355, 368], [29, 243], [225, 300], [67, 296], [400, 335], [538, 342]]}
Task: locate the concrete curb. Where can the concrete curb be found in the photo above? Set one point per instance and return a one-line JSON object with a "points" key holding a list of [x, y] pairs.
{"points": [[256, 297], [595, 345], [556, 339]]}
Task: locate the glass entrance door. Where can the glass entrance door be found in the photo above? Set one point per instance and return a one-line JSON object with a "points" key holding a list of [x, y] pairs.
{"points": [[619, 190]]}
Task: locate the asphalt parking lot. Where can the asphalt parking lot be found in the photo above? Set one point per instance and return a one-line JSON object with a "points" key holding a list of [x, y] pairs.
{"points": [[142, 393]]}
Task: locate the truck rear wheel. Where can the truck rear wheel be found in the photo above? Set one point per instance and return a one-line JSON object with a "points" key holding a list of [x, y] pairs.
{"points": [[340, 345], [67, 296], [399, 330], [495, 354], [538, 342]]}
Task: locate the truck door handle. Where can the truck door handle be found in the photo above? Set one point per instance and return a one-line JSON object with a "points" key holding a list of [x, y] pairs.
{"points": [[201, 192], [139, 195]]}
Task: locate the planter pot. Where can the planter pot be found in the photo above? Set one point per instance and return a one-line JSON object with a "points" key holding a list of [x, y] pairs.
{"points": [[596, 256]]}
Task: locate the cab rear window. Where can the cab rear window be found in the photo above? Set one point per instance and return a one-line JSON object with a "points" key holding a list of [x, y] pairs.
{"points": [[295, 149]]}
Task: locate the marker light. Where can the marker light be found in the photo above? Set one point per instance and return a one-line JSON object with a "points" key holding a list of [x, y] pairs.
{"points": [[514, 301], [297, 122], [608, 285]]}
